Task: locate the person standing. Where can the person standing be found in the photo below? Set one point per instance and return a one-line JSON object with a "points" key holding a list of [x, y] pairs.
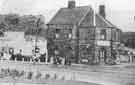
{"points": [[131, 57]]}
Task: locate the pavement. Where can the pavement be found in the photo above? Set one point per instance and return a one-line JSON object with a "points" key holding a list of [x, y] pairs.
{"points": [[123, 67], [45, 82]]}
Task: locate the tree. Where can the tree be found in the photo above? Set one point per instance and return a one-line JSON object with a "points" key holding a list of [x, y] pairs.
{"points": [[12, 19]]}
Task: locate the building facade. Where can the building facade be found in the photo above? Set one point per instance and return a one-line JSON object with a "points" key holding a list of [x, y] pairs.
{"points": [[81, 35]]}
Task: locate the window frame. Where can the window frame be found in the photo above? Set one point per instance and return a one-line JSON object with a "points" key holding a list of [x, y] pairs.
{"points": [[103, 32]]}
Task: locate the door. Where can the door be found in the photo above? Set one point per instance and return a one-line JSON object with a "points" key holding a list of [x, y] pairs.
{"points": [[102, 55]]}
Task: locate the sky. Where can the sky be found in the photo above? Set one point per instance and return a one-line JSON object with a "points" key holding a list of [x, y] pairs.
{"points": [[119, 12]]}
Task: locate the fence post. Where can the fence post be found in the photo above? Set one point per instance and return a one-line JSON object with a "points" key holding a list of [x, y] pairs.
{"points": [[74, 75], [30, 60], [39, 60], [22, 60], [15, 59]]}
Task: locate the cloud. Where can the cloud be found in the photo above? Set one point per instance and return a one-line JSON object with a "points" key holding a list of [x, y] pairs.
{"points": [[17, 6]]}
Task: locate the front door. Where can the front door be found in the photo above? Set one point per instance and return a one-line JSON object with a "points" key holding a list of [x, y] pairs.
{"points": [[102, 55]]}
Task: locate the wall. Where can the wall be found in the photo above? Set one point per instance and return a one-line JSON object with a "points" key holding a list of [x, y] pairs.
{"points": [[64, 44], [101, 75]]}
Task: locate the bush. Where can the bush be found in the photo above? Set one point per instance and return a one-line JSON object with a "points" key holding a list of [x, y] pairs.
{"points": [[14, 73], [55, 76], [38, 75], [47, 76], [63, 78], [29, 75], [21, 73]]}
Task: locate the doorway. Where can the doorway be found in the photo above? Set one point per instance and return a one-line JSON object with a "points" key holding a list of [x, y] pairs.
{"points": [[102, 55]]}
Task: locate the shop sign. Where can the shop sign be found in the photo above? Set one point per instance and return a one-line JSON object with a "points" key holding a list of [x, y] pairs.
{"points": [[84, 60], [103, 43]]}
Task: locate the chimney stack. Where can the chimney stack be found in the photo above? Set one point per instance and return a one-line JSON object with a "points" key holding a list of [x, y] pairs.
{"points": [[71, 4], [102, 11]]}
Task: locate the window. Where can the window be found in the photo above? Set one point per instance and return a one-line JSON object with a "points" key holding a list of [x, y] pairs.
{"points": [[70, 30], [57, 35], [57, 30], [70, 36], [103, 34], [83, 34]]}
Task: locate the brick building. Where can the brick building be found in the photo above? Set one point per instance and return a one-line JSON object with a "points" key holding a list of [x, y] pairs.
{"points": [[128, 39], [82, 35]]}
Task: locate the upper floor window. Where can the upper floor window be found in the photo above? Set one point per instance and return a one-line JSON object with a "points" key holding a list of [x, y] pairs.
{"points": [[70, 30], [57, 30], [83, 35], [63, 34], [103, 34], [70, 36], [57, 35]]}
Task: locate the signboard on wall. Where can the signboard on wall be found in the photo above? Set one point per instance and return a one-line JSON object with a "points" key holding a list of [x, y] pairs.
{"points": [[103, 43]]}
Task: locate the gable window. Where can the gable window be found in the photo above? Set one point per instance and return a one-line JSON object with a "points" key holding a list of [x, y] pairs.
{"points": [[103, 34]]}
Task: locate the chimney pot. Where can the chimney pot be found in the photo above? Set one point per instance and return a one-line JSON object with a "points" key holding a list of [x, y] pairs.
{"points": [[102, 11], [71, 4]]}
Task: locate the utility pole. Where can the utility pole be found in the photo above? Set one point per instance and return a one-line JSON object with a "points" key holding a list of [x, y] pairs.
{"points": [[111, 42], [37, 32], [36, 49]]}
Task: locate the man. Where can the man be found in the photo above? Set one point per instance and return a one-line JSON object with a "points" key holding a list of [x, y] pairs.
{"points": [[19, 55], [36, 54], [130, 57]]}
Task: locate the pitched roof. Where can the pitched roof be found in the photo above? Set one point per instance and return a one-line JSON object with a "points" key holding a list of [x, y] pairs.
{"points": [[75, 16], [102, 22], [69, 16]]}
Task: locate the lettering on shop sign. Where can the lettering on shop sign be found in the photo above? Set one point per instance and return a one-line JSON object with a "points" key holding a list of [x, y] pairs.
{"points": [[103, 43]]}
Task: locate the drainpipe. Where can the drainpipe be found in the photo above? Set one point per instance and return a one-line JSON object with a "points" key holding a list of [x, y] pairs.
{"points": [[37, 25], [94, 23], [111, 42]]}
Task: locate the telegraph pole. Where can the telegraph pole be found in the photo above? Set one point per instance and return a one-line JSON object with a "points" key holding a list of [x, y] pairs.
{"points": [[111, 42], [37, 32], [36, 49]]}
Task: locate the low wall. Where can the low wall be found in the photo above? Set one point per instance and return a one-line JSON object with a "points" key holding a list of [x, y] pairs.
{"points": [[45, 82], [124, 58], [60, 73]]}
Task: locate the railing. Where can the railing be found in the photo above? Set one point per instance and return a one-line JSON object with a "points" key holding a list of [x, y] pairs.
{"points": [[24, 62]]}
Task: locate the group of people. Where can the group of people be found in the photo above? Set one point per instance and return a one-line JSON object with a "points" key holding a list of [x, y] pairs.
{"points": [[36, 57], [59, 60], [11, 55], [131, 57]]}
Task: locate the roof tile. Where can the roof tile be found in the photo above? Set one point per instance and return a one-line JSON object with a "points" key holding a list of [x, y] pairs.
{"points": [[75, 15]]}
